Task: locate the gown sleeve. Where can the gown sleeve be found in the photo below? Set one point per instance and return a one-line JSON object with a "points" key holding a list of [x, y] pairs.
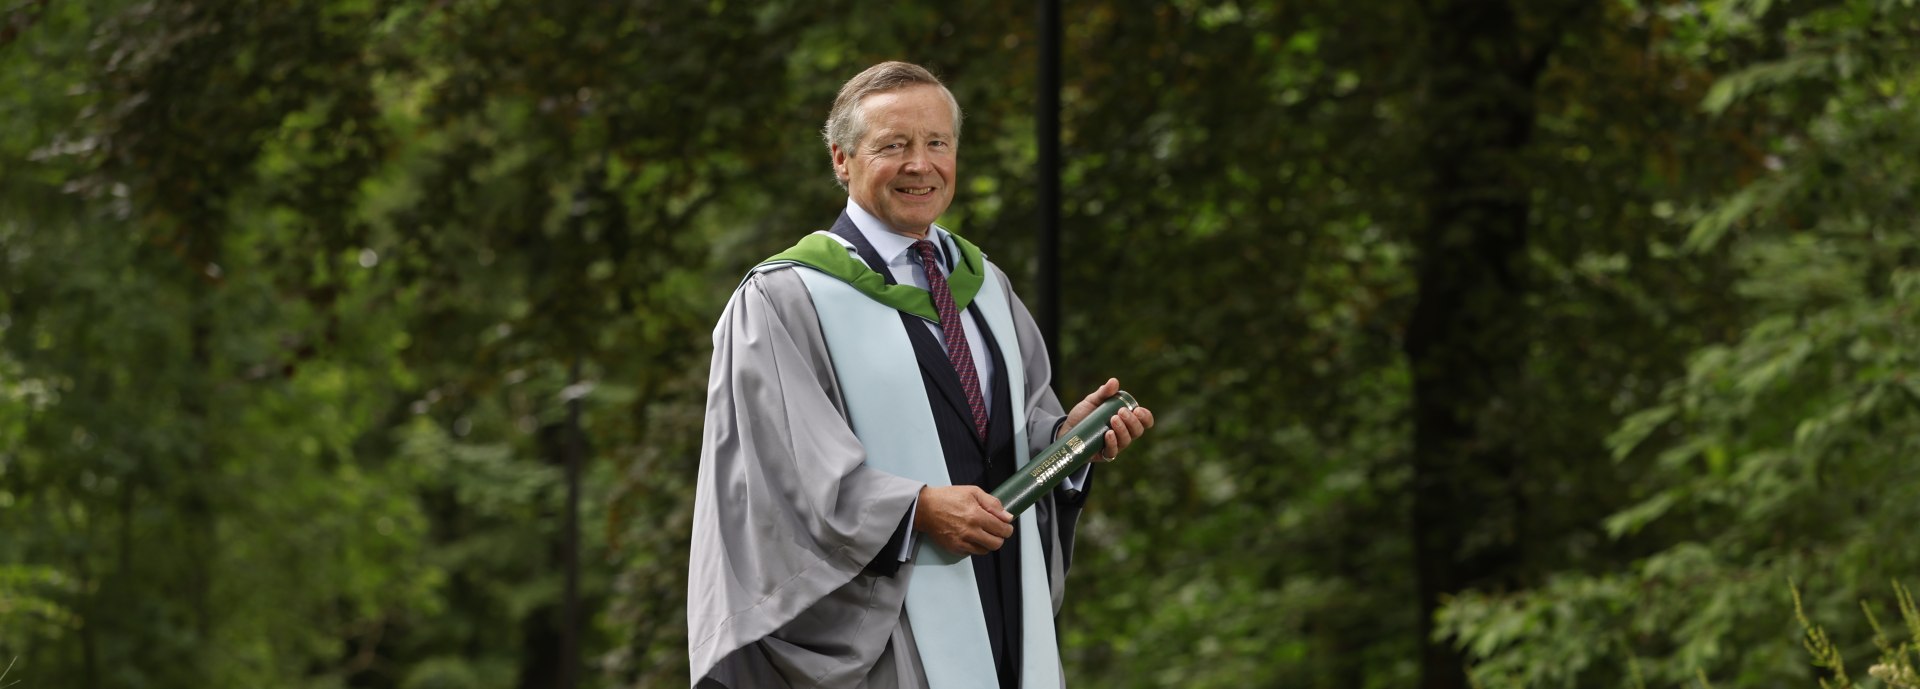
{"points": [[786, 512]]}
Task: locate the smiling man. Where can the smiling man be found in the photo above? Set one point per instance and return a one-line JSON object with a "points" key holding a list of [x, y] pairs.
{"points": [[900, 170], [869, 387]]}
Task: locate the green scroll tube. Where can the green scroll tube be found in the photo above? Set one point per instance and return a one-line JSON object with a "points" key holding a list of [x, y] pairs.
{"points": [[1054, 464]]}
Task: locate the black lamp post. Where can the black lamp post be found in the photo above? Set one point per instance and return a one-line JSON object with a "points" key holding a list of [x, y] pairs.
{"points": [[1047, 123]]}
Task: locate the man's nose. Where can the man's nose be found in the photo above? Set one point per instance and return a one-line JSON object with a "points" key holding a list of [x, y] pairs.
{"points": [[916, 161]]}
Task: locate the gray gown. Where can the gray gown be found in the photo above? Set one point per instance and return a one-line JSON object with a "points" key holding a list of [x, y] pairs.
{"points": [[787, 515]]}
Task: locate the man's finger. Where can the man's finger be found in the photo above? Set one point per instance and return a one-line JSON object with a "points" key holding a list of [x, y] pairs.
{"points": [[990, 543], [982, 541], [992, 505], [992, 523], [986, 500], [963, 543], [998, 528]]}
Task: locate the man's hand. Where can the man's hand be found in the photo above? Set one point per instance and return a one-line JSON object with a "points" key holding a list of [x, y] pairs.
{"points": [[1122, 429], [962, 519]]}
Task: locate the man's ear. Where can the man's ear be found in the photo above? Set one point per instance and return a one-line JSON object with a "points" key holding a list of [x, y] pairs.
{"points": [[839, 162]]}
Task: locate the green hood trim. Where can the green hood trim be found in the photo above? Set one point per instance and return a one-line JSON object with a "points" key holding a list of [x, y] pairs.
{"points": [[826, 254]]}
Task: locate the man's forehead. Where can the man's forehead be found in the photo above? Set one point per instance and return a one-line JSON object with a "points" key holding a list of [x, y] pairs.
{"points": [[877, 130], [892, 99]]}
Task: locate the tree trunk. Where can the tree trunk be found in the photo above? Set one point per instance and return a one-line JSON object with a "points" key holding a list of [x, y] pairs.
{"points": [[198, 513], [1465, 341]]}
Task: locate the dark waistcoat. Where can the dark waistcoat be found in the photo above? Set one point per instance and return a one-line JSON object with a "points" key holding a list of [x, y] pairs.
{"points": [[969, 461]]}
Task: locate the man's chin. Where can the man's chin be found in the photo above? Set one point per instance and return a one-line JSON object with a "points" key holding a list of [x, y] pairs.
{"points": [[922, 223]]}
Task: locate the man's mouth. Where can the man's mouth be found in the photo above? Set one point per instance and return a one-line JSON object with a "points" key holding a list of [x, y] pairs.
{"points": [[914, 191]]}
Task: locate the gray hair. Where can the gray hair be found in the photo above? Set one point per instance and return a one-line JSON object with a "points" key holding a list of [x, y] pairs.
{"points": [[845, 124]]}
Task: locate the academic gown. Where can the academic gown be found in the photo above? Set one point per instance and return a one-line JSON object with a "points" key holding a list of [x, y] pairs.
{"points": [[794, 535]]}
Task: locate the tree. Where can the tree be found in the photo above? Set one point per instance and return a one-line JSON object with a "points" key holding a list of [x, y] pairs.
{"points": [[1781, 451]]}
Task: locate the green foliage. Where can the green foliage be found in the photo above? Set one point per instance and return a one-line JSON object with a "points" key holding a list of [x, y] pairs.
{"points": [[294, 298], [1825, 654], [1897, 660], [1786, 451]]}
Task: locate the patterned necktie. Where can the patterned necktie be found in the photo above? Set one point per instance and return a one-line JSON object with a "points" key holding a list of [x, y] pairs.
{"points": [[958, 353]]}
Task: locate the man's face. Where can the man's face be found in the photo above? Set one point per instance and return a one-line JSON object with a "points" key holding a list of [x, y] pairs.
{"points": [[902, 168]]}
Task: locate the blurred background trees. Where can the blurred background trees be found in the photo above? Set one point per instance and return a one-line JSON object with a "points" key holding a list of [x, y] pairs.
{"points": [[1495, 343]]}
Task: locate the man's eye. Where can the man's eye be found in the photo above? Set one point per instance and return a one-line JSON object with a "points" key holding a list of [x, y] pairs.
{"points": [[937, 144]]}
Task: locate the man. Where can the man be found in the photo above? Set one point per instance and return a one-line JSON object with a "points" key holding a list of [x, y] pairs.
{"points": [[869, 387]]}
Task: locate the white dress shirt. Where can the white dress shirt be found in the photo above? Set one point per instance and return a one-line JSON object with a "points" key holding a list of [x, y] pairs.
{"points": [[897, 250]]}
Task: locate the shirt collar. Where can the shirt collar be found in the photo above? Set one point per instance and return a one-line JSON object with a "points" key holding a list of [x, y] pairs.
{"points": [[892, 246]]}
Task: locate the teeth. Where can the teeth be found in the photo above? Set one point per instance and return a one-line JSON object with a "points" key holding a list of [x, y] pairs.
{"points": [[917, 191]]}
